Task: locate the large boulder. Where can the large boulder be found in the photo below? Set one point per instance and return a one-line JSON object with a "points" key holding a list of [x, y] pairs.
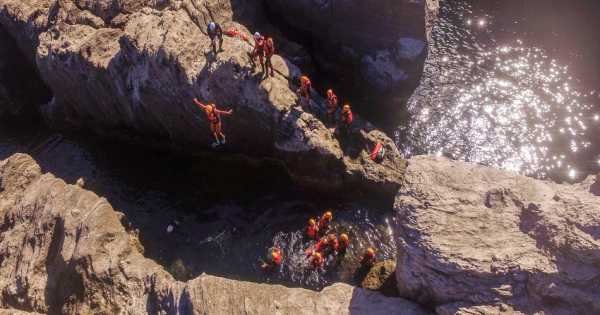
{"points": [[64, 250], [382, 277], [130, 70], [474, 239], [377, 46]]}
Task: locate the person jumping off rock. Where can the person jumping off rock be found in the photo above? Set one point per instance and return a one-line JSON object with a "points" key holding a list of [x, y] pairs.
{"points": [[274, 259], [347, 118], [259, 50], [214, 116], [305, 86], [332, 105], [269, 52], [215, 32]]}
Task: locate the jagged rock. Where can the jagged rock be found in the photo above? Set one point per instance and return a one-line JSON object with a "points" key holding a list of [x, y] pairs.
{"points": [[54, 260], [382, 278], [475, 238], [130, 70]]}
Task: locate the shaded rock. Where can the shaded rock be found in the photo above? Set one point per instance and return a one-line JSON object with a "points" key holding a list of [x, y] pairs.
{"points": [[130, 70], [380, 53], [58, 261], [382, 278], [475, 238]]}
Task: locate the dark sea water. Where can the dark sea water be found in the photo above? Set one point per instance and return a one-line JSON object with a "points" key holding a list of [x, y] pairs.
{"points": [[513, 84]]}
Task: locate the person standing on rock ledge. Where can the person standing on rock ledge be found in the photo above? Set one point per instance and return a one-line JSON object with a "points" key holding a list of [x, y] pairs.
{"points": [[259, 50], [215, 32], [269, 52], [347, 119], [214, 116], [305, 86], [332, 105]]}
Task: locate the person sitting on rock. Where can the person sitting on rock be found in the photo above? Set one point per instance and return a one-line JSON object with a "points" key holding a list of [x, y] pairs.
{"points": [[369, 258], [316, 260], [325, 222], [214, 116], [274, 259], [305, 86], [259, 50], [346, 120], [215, 32], [312, 229], [332, 105], [269, 52]]}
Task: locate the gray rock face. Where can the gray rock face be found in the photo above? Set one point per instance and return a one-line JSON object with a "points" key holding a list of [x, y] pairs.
{"points": [[130, 69], [64, 250], [476, 240]]}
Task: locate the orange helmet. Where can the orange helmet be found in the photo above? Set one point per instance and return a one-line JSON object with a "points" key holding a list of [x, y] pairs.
{"points": [[316, 254], [331, 237], [346, 108], [370, 252], [211, 107], [329, 93], [328, 215], [276, 253], [311, 221], [344, 237], [304, 79]]}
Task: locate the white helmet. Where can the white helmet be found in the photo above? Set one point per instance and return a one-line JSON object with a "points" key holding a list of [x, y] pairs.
{"points": [[212, 26], [257, 35]]}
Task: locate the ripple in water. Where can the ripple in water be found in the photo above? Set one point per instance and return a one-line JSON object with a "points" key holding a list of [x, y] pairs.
{"points": [[500, 103]]}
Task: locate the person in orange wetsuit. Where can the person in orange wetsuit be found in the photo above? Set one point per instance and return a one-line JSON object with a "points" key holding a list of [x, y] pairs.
{"points": [[259, 50], [368, 259], [316, 260], [269, 52], [332, 105], [347, 118], [344, 242], [312, 229], [214, 116], [305, 86], [325, 222], [274, 259]]}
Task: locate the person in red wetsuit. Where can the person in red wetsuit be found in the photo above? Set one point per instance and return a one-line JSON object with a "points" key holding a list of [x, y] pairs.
{"points": [[305, 86], [332, 105], [368, 259], [347, 118], [214, 116], [344, 242], [325, 222], [259, 50], [316, 260], [274, 259], [269, 52], [312, 230]]}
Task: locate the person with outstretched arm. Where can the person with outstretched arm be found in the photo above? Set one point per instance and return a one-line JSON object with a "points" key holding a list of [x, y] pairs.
{"points": [[214, 116]]}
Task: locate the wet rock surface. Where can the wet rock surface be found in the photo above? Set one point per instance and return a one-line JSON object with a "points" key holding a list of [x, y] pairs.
{"points": [[382, 278], [474, 239], [64, 250], [131, 70]]}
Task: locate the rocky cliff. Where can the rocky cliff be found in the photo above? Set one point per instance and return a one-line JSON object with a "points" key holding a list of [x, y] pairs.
{"points": [[476, 240], [64, 250], [129, 69]]}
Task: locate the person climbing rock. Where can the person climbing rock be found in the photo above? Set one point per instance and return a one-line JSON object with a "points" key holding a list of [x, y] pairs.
{"points": [[316, 260], [312, 230], [368, 259], [214, 116], [269, 52], [215, 33], [346, 120], [325, 222], [378, 153], [332, 105], [259, 50], [344, 242], [273, 260], [305, 86]]}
